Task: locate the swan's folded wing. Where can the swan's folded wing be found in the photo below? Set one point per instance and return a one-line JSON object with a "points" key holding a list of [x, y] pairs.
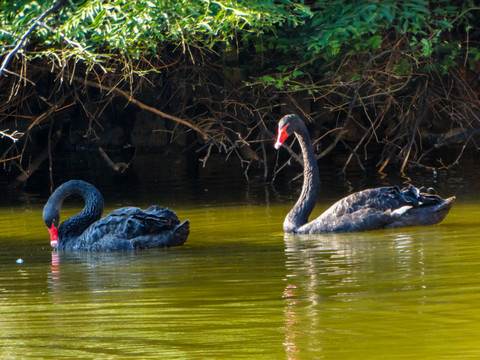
{"points": [[383, 199], [379, 208], [131, 222]]}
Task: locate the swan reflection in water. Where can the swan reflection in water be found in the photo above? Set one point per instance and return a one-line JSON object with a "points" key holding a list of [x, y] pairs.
{"points": [[88, 274], [54, 277], [333, 282]]}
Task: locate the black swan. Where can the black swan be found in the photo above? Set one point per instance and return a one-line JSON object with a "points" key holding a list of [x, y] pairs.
{"points": [[380, 208], [127, 228]]}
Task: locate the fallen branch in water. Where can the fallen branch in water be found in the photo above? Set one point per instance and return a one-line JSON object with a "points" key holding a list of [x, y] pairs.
{"points": [[119, 167]]}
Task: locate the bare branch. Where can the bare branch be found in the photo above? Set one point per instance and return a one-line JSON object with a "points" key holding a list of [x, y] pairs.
{"points": [[143, 106], [14, 136], [119, 167], [22, 41]]}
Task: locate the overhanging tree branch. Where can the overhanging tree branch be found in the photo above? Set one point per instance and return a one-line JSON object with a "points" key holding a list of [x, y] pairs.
{"points": [[143, 106], [23, 39]]}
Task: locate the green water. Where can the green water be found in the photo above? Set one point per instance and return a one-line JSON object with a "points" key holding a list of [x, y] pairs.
{"points": [[240, 289]]}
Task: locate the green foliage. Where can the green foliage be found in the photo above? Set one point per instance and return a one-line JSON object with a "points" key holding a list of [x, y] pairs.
{"points": [[427, 33], [298, 37], [139, 27]]}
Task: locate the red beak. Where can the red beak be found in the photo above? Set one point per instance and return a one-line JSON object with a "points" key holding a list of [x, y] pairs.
{"points": [[281, 137], [53, 236]]}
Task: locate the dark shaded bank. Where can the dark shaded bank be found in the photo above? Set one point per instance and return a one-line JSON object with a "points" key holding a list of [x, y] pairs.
{"points": [[77, 125], [399, 93]]}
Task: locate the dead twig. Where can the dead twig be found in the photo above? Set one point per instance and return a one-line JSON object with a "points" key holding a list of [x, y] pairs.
{"points": [[119, 167], [144, 106], [50, 159], [421, 109], [42, 156], [14, 136], [204, 160]]}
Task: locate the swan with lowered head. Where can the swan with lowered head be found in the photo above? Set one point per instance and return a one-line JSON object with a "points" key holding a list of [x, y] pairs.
{"points": [[127, 228], [378, 208]]}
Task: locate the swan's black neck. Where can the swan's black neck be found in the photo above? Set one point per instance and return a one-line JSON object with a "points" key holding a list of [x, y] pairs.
{"points": [[299, 214], [76, 225]]}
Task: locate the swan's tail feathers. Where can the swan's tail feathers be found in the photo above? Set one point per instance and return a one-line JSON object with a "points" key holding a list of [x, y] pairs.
{"points": [[427, 214], [175, 236], [180, 234], [447, 204], [428, 207], [442, 209]]}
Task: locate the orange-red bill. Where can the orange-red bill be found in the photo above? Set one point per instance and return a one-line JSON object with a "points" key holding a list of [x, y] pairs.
{"points": [[53, 235], [281, 137]]}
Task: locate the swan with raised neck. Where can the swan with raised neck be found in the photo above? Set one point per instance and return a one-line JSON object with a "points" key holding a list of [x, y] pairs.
{"points": [[377, 208]]}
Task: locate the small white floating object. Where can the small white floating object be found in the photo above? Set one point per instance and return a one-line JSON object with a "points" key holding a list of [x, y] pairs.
{"points": [[19, 261]]}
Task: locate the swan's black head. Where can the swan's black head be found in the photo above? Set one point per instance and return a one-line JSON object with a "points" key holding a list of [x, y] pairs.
{"points": [[51, 217], [286, 127]]}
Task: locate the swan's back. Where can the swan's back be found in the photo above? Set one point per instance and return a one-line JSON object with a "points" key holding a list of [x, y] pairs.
{"points": [[133, 228], [385, 207]]}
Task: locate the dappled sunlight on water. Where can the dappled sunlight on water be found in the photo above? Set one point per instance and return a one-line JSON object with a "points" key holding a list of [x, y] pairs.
{"points": [[239, 288]]}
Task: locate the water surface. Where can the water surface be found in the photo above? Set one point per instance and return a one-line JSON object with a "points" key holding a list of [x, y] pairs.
{"points": [[239, 288]]}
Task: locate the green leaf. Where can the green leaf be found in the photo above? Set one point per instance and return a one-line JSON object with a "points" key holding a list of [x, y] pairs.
{"points": [[297, 73]]}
